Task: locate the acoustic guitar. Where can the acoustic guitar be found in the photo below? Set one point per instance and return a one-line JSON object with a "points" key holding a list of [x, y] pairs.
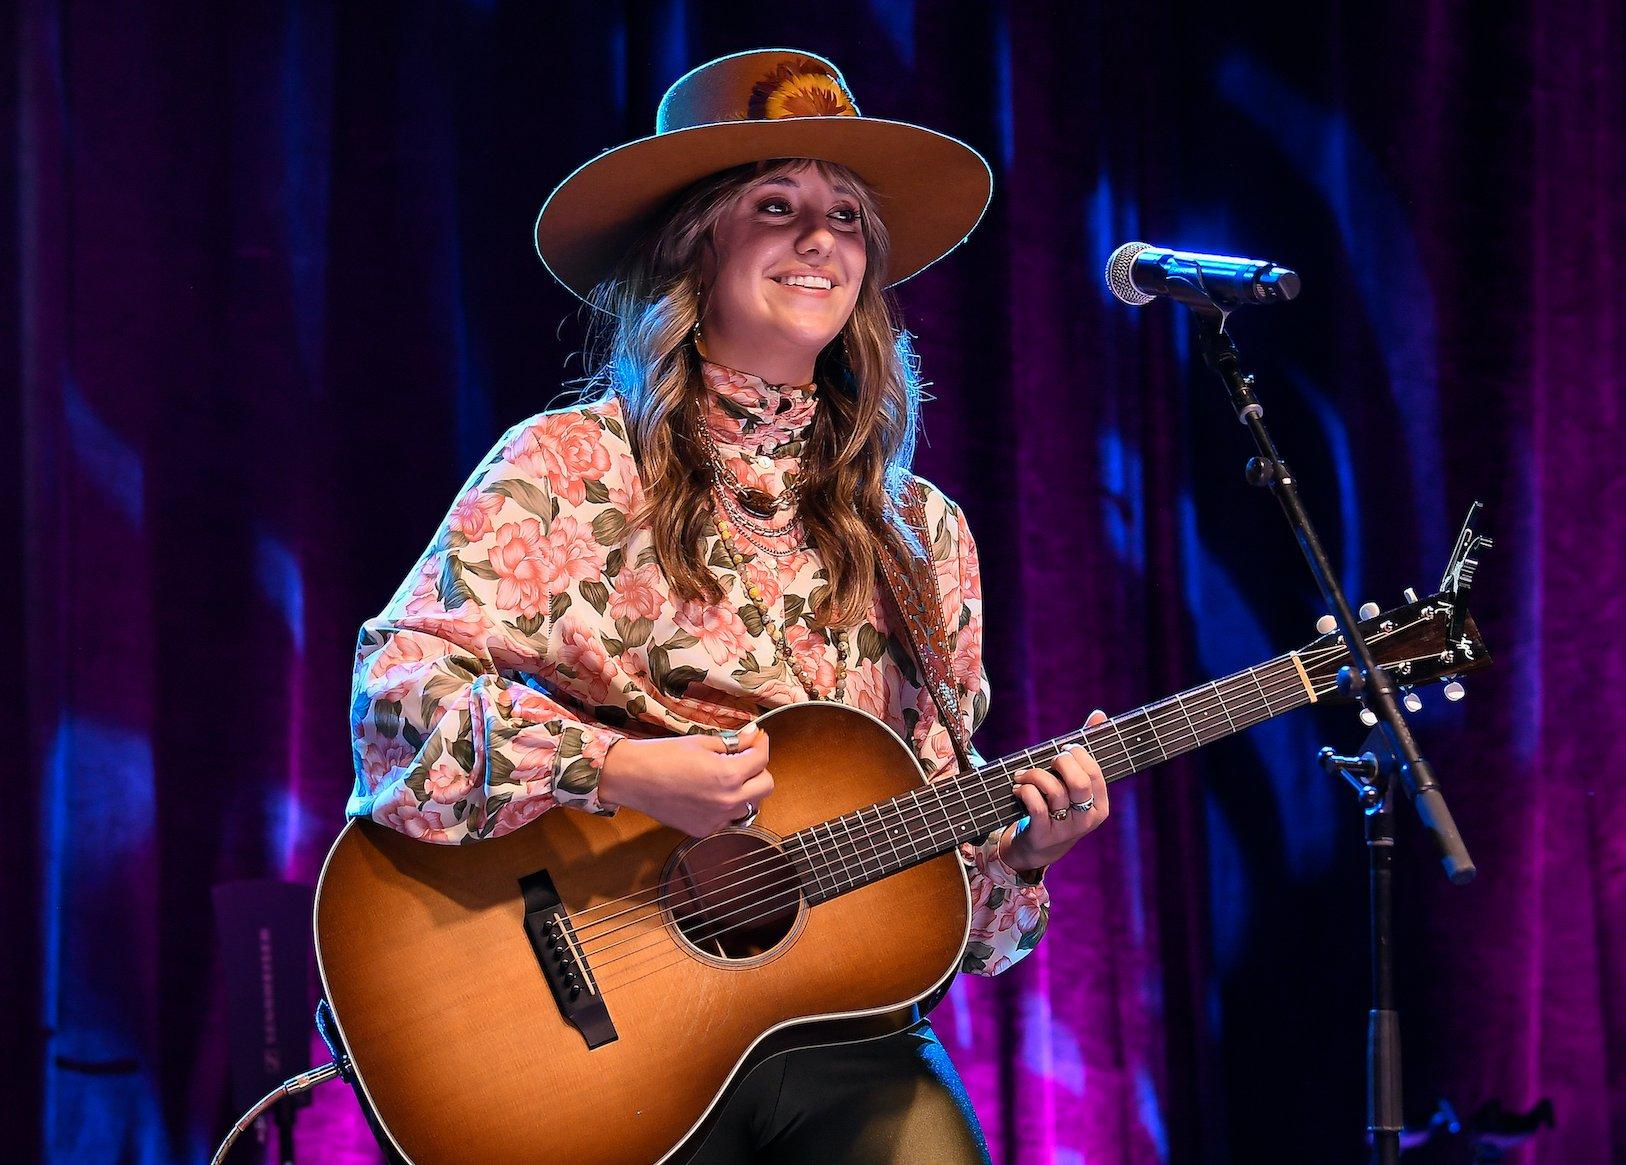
{"points": [[585, 988]]}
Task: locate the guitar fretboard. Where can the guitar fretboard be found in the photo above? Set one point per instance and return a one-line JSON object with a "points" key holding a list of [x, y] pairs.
{"points": [[840, 855]]}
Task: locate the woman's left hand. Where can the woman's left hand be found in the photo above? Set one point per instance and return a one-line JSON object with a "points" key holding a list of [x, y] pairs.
{"points": [[1053, 796]]}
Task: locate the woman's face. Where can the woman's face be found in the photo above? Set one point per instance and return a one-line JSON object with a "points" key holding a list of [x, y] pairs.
{"points": [[781, 227]]}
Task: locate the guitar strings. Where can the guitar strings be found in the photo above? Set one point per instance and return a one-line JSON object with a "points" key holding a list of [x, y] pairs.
{"points": [[1278, 687], [683, 958], [734, 922], [1111, 750], [773, 866], [944, 788], [773, 863], [751, 897]]}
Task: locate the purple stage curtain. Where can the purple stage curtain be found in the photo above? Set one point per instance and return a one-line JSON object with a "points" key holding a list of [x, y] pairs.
{"points": [[273, 295]]}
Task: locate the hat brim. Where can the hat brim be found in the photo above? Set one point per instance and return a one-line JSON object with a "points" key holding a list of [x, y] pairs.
{"points": [[931, 189]]}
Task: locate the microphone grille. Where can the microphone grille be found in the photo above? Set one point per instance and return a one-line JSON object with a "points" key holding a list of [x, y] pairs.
{"points": [[1119, 264]]}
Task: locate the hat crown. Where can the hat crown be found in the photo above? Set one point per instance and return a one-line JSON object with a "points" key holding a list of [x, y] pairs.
{"points": [[761, 85]]}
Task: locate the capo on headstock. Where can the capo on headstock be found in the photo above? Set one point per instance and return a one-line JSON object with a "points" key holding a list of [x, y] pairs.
{"points": [[1459, 569]]}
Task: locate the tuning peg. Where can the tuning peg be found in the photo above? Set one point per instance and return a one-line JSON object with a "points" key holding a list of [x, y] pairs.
{"points": [[1413, 702], [1326, 625], [1454, 691], [1369, 718], [1409, 595], [1369, 610]]}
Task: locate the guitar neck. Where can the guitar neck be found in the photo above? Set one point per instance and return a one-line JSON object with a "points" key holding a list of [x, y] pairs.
{"points": [[871, 843]]}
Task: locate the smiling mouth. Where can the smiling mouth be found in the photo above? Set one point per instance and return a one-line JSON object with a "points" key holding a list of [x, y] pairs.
{"points": [[818, 283]]}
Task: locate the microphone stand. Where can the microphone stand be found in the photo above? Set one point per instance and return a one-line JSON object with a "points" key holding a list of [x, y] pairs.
{"points": [[1371, 684]]}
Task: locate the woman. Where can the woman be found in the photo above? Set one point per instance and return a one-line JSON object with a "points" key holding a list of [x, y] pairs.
{"points": [[623, 587]]}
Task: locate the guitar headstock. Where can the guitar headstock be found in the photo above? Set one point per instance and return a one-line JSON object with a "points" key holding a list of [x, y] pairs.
{"points": [[1425, 640], [1413, 643], [1459, 569]]}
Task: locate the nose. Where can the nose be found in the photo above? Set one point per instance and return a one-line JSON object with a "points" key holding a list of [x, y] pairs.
{"points": [[817, 239]]}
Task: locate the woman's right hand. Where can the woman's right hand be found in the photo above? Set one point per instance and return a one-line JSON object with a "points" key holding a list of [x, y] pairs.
{"points": [[690, 782]]}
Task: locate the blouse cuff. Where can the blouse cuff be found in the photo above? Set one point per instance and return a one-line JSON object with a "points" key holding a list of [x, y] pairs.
{"points": [[1001, 874], [578, 765]]}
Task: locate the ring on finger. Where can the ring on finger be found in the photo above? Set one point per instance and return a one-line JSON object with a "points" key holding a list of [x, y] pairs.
{"points": [[1083, 806], [731, 740], [1059, 814]]}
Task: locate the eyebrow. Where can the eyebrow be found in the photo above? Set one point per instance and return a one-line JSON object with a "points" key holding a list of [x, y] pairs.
{"points": [[792, 182]]}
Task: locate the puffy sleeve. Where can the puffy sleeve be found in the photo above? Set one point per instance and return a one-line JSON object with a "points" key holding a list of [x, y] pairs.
{"points": [[1008, 913], [453, 740]]}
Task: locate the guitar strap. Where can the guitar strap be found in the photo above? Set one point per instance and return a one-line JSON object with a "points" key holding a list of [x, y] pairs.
{"points": [[918, 605]]}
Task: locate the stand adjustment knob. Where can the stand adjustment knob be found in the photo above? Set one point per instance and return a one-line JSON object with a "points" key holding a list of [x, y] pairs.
{"points": [[1369, 610], [1326, 625]]}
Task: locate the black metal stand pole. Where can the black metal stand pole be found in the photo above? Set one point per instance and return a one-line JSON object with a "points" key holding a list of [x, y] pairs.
{"points": [[1371, 682], [1374, 782], [1383, 1111]]}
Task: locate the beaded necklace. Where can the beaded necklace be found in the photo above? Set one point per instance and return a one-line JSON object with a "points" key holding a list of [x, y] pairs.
{"points": [[726, 535]]}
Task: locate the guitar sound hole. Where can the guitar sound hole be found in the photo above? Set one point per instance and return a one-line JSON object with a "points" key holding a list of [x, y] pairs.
{"points": [[732, 895]]}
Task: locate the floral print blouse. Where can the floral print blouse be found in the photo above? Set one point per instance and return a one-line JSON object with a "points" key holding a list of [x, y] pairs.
{"points": [[537, 630]]}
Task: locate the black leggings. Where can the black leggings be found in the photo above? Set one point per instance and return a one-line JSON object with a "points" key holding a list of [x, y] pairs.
{"points": [[887, 1101]]}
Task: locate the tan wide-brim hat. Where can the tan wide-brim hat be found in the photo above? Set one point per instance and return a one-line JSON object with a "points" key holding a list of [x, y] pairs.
{"points": [[932, 189]]}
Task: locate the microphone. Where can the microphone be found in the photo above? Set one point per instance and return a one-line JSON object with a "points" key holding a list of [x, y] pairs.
{"points": [[1137, 274]]}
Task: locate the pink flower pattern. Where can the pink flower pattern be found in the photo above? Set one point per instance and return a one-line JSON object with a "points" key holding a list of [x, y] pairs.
{"points": [[448, 783], [537, 609], [517, 559], [639, 593], [721, 631], [810, 650], [571, 555], [567, 449], [582, 651], [873, 688], [471, 516]]}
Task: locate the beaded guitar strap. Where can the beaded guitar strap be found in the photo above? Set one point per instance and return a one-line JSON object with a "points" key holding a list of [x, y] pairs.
{"points": [[912, 586]]}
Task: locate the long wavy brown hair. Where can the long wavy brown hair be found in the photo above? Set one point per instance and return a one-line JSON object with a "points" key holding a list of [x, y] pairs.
{"points": [[862, 442]]}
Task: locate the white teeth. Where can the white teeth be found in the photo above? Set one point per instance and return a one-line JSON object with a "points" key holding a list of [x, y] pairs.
{"points": [[805, 281]]}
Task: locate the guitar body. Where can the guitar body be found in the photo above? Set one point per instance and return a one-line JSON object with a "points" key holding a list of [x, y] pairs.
{"points": [[462, 1046]]}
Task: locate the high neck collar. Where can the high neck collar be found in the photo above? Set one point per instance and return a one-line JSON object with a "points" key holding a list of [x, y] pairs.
{"points": [[745, 412]]}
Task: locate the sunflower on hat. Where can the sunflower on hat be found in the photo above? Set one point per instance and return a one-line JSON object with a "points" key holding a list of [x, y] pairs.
{"points": [[802, 89]]}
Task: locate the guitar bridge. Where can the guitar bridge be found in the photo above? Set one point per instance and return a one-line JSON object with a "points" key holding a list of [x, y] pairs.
{"points": [[563, 962]]}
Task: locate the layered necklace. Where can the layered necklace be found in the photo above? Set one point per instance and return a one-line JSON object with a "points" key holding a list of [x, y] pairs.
{"points": [[754, 501], [754, 511], [743, 514]]}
